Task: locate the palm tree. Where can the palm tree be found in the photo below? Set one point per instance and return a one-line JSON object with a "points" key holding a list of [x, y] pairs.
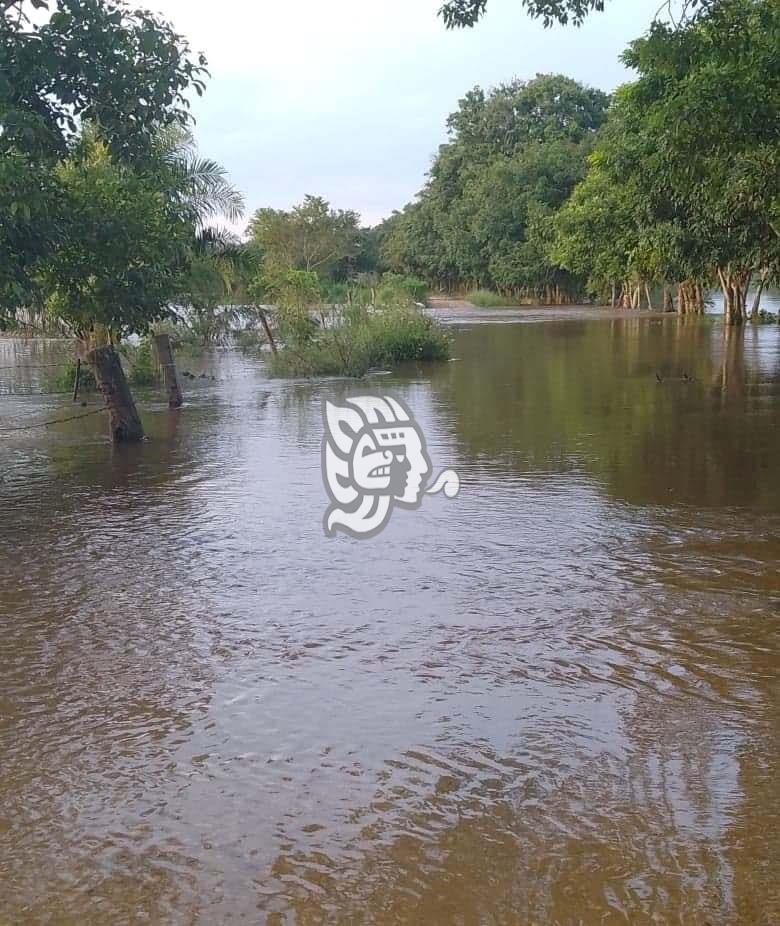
{"points": [[200, 184]]}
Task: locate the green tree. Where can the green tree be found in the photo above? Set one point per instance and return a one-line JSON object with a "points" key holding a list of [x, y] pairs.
{"points": [[132, 239], [311, 237], [468, 12], [124, 71], [512, 159], [123, 246], [700, 142], [460, 13]]}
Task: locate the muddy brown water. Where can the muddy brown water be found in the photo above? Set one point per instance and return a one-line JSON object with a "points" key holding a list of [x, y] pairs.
{"points": [[552, 700]]}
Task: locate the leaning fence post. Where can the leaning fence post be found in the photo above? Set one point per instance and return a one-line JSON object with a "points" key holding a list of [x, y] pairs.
{"points": [[77, 380]]}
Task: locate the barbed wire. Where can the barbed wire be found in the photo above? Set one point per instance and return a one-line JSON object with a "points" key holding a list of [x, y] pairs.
{"points": [[46, 424], [20, 395], [35, 366]]}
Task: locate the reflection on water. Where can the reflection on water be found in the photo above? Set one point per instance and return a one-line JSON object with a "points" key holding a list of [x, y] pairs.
{"points": [[552, 700]]}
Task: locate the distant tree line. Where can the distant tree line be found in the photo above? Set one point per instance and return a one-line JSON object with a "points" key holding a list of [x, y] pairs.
{"points": [[549, 190]]}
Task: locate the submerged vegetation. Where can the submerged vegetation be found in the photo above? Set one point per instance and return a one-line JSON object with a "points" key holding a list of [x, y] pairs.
{"points": [[351, 337], [487, 299], [350, 341]]}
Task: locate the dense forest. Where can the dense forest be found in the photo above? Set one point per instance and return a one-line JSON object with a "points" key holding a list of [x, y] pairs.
{"points": [[550, 191]]}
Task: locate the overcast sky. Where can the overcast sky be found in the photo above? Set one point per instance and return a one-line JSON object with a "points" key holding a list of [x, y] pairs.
{"points": [[347, 99]]}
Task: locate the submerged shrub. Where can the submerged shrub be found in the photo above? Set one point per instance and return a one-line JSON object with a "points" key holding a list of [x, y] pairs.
{"points": [[395, 288], [64, 381], [143, 368], [487, 299], [353, 341]]}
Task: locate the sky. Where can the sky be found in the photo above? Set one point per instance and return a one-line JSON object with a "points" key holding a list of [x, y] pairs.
{"points": [[348, 99]]}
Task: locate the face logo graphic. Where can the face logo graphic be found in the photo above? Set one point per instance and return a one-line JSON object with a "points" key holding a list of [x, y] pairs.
{"points": [[373, 459]]}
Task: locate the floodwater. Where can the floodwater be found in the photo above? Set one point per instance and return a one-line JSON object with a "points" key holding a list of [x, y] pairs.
{"points": [[552, 700]]}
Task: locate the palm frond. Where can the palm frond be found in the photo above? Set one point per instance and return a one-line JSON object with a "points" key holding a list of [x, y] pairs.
{"points": [[204, 185]]}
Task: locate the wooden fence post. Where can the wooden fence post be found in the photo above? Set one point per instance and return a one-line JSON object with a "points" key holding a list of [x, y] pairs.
{"points": [[162, 344]]}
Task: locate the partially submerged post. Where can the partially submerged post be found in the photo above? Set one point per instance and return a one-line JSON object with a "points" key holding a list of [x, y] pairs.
{"points": [[124, 422], [162, 344], [267, 329], [77, 380]]}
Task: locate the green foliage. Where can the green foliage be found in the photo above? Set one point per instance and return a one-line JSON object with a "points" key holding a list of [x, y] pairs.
{"points": [[706, 109], [122, 245], [101, 193], [484, 218], [215, 289], [143, 367], [96, 61], [487, 299], [400, 289], [349, 340], [380, 340], [311, 237], [685, 182], [459, 13], [295, 292], [65, 379]]}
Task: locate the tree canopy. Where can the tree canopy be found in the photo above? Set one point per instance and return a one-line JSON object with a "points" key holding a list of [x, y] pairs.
{"points": [[311, 237], [103, 195], [468, 12], [99, 61], [687, 166], [512, 159]]}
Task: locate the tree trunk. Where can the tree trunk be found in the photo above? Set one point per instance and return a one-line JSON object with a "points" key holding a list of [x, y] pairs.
{"points": [[614, 296], [759, 293], [162, 345], [124, 423], [698, 299], [734, 286], [647, 296], [668, 300]]}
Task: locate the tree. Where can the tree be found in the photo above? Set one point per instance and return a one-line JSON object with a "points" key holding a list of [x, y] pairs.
{"points": [[512, 159], [105, 197], [684, 184], [460, 13], [468, 12], [707, 107], [614, 233], [96, 62], [122, 247], [311, 237], [131, 237]]}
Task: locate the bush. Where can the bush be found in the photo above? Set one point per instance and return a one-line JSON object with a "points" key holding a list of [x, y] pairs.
{"points": [[487, 299], [396, 289], [65, 380], [143, 368], [355, 340]]}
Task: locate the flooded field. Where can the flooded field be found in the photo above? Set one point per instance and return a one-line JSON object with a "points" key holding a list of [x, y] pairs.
{"points": [[552, 700]]}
